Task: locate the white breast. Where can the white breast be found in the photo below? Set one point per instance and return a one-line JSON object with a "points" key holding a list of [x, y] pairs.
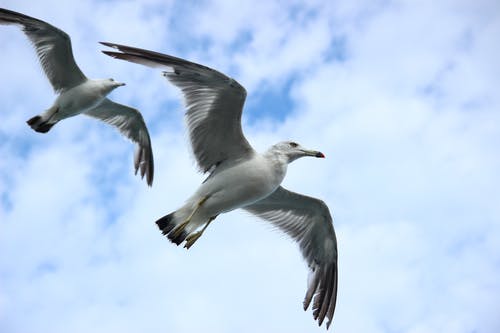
{"points": [[242, 184], [80, 98]]}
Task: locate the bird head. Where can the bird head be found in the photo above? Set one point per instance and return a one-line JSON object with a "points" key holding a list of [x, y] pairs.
{"points": [[109, 85], [293, 151]]}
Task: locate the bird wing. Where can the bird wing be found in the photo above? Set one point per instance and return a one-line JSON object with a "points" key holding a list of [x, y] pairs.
{"points": [[53, 47], [214, 105], [308, 221], [130, 123]]}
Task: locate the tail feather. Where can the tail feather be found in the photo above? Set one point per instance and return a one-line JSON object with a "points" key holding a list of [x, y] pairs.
{"points": [[166, 225], [178, 239], [34, 121], [38, 125]]}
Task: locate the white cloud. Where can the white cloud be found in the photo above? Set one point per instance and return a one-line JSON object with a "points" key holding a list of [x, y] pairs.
{"points": [[408, 121]]}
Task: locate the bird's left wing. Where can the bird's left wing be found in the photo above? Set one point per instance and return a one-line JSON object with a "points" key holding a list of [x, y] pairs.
{"points": [[131, 124], [214, 105], [53, 47], [308, 221]]}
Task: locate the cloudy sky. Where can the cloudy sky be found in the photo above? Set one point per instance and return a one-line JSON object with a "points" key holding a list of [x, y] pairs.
{"points": [[401, 96]]}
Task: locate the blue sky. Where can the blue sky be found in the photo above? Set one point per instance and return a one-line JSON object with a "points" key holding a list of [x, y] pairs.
{"points": [[401, 96]]}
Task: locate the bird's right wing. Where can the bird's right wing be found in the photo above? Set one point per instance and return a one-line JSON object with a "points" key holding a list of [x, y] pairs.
{"points": [[131, 124], [53, 47], [214, 105], [308, 221]]}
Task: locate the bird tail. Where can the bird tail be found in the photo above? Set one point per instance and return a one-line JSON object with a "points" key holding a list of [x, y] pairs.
{"points": [[39, 125], [168, 224], [42, 123], [174, 227]]}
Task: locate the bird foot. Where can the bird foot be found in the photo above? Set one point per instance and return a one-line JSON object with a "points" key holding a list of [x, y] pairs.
{"points": [[195, 235], [179, 228], [192, 238]]}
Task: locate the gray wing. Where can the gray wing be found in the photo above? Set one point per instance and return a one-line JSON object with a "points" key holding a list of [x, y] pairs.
{"points": [[131, 124], [53, 47], [214, 104], [308, 221]]}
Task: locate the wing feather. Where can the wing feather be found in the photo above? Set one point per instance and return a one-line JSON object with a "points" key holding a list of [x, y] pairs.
{"points": [[53, 47], [130, 123], [308, 221], [214, 104]]}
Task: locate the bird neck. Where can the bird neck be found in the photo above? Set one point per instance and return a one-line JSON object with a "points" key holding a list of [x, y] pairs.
{"points": [[278, 165], [279, 159]]}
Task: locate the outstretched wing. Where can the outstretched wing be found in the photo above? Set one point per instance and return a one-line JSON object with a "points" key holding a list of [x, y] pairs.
{"points": [[308, 221], [214, 105], [53, 47], [131, 124]]}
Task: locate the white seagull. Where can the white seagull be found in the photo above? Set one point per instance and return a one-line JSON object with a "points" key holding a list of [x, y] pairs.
{"points": [[77, 93], [239, 177]]}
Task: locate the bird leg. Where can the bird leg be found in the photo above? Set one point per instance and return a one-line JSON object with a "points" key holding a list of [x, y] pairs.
{"points": [[180, 227], [195, 235]]}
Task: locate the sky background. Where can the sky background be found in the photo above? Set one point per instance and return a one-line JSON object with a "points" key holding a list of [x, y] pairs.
{"points": [[401, 96]]}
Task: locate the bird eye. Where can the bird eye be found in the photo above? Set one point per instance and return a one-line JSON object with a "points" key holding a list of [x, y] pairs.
{"points": [[293, 144], [111, 80]]}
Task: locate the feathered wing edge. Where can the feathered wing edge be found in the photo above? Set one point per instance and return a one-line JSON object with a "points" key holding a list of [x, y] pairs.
{"points": [[322, 287], [143, 160], [130, 123], [53, 47], [308, 221], [214, 103]]}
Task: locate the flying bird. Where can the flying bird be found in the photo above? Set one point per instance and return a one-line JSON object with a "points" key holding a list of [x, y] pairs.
{"points": [[239, 177], [78, 94]]}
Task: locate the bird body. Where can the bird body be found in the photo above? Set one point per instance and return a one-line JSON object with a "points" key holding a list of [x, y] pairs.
{"points": [[233, 187], [84, 96], [73, 101]]}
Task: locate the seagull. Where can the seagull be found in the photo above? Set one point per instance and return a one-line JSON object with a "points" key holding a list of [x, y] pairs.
{"points": [[239, 177], [77, 93]]}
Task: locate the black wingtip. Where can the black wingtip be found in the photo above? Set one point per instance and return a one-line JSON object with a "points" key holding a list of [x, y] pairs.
{"points": [[151, 170], [144, 161], [108, 44], [149, 178], [111, 53]]}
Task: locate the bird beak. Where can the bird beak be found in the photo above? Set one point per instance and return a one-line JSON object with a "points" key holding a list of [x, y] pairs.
{"points": [[314, 153], [119, 84]]}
